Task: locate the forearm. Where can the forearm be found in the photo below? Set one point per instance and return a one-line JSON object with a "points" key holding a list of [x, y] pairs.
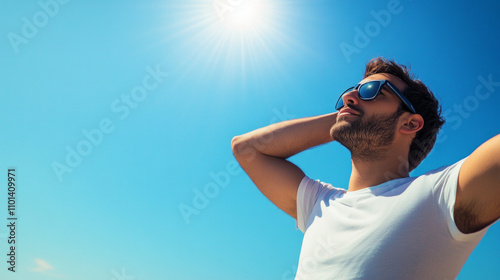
{"points": [[286, 138]]}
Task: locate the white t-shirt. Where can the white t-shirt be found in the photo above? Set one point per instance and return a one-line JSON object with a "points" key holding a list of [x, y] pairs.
{"points": [[401, 229]]}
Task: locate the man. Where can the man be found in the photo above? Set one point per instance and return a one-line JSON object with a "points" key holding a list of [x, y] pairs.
{"points": [[387, 225]]}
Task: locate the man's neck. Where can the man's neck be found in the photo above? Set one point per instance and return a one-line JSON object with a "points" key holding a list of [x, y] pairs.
{"points": [[369, 173]]}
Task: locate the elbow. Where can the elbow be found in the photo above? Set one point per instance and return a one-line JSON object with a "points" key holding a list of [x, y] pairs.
{"points": [[237, 145], [235, 142], [242, 149]]}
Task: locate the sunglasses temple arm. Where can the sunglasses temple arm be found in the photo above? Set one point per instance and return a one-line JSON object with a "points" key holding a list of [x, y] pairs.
{"points": [[403, 98]]}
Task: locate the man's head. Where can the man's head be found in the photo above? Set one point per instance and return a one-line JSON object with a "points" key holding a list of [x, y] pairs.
{"points": [[367, 128]]}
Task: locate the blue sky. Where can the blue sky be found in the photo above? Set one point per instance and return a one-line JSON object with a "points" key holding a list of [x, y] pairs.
{"points": [[118, 116]]}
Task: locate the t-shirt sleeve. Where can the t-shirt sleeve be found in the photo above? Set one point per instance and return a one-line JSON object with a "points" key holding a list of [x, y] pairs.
{"points": [[446, 194], [308, 194]]}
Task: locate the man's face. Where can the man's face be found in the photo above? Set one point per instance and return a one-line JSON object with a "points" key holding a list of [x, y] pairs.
{"points": [[366, 127]]}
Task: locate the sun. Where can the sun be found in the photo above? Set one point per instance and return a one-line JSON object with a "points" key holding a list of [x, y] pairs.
{"points": [[248, 14], [241, 14], [230, 38]]}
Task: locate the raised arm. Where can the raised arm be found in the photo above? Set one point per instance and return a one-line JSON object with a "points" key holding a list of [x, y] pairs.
{"points": [[262, 153], [478, 190]]}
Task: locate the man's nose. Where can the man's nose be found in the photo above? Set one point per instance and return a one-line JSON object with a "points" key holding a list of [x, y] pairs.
{"points": [[351, 98]]}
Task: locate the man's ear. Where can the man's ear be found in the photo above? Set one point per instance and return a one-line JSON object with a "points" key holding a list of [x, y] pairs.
{"points": [[412, 123]]}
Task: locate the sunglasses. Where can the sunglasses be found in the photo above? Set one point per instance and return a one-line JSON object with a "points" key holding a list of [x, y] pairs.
{"points": [[370, 90]]}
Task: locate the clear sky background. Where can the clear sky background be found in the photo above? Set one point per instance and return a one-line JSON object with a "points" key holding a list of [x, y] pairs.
{"points": [[110, 150]]}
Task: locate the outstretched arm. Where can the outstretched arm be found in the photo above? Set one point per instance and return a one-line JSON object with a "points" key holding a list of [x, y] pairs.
{"points": [[262, 153], [478, 191]]}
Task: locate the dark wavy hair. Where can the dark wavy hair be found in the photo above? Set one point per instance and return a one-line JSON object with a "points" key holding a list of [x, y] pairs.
{"points": [[423, 101]]}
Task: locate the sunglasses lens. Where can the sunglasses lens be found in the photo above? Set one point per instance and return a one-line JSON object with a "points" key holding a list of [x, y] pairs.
{"points": [[369, 90], [340, 102]]}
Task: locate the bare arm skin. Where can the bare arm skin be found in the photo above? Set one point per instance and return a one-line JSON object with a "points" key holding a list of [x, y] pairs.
{"points": [[478, 191], [262, 153]]}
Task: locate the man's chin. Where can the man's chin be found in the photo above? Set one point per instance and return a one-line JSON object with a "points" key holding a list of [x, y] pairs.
{"points": [[340, 127], [347, 117]]}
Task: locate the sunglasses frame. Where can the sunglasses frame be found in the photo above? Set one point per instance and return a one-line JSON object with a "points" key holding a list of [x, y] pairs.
{"points": [[382, 83]]}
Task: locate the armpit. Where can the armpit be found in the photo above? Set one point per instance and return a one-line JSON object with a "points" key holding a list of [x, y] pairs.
{"points": [[466, 218]]}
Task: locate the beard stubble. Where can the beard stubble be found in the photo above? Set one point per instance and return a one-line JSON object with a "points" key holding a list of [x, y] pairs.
{"points": [[367, 139]]}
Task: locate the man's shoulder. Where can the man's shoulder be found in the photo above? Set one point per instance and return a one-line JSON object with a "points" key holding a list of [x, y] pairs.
{"points": [[445, 169], [439, 179], [308, 184]]}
